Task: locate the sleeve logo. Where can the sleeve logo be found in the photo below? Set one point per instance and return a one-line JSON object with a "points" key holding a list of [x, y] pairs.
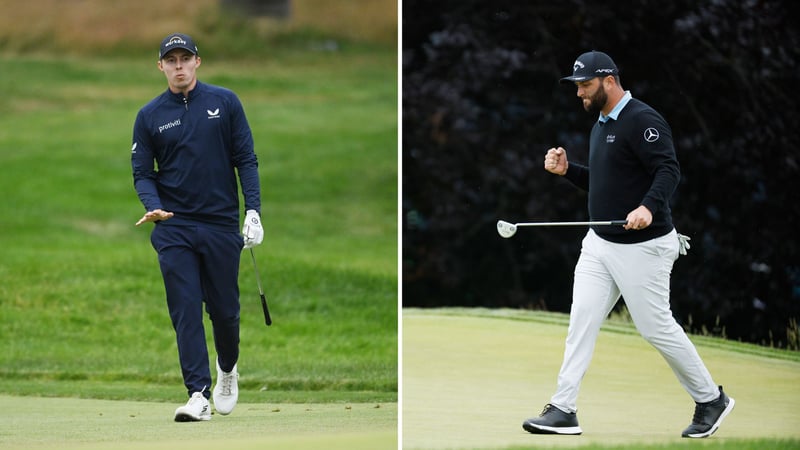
{"points": [[651, 135]]}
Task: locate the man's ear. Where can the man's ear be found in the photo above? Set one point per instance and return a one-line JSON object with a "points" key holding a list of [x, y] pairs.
{"points": [[160, 67]]}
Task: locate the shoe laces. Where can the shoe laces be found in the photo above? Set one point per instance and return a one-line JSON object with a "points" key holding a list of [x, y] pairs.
{"points": [[700, 409], [700, 412], [196, 397], [547, 408], [227, 382]]}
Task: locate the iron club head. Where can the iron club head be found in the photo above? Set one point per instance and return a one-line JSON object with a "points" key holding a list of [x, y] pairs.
{"points": [[506, 229]]}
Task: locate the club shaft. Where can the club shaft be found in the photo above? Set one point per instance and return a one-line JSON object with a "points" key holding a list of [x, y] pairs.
{"points": [[255, 268], [267, 317], [571, 224]]}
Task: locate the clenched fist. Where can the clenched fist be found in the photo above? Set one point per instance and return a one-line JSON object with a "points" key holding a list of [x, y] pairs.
{"points": [[555, 161]]}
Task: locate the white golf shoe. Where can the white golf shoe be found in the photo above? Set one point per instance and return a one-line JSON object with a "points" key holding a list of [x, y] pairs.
{"points": [[226, 392], [195, 410]]}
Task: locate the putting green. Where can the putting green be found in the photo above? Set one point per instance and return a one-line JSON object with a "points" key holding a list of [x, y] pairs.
{"points": [[49, 423], [470, 377]]}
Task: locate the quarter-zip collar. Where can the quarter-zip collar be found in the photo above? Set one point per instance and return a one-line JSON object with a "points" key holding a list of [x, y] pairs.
{"points": [[185, 100]]}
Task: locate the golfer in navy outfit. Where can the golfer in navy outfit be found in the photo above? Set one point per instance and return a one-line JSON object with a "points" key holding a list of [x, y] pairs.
{"points": [[189, 145]]}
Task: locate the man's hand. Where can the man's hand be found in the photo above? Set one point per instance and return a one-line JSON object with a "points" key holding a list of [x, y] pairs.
{"points": [[639, 218], [555, 161], [154, 215], [252, 231]]}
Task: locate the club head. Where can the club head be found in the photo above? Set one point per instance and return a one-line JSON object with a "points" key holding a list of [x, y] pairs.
{"points": [[506, 229]]}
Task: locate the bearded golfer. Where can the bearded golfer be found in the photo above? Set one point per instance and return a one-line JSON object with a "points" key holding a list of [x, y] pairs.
{"points": [[189, 144], [632, 173]]}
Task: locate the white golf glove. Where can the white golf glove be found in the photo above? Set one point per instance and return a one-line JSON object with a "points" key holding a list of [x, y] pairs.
{"points": [[683, 241], [252, 231]]}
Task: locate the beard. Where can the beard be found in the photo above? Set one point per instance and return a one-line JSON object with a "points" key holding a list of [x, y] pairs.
{"points": [[597, 101]]}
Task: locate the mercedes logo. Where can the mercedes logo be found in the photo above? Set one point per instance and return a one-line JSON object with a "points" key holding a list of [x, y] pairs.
{"points": [[650, 135]]}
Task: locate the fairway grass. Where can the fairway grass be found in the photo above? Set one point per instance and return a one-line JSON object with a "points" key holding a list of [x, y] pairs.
{"points": [[82, 304], [100, 424], [89, 357], [87, 340], [470, 378]]}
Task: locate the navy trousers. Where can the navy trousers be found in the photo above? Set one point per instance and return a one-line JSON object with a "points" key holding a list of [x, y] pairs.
{"points": [[201, 265]]}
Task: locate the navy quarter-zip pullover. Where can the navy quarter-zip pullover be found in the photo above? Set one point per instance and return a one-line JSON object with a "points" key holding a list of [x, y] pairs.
{"points": [[186, 153]]}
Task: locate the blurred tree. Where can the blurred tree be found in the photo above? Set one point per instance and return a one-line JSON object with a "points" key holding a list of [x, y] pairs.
{"points": [[482, 103]]}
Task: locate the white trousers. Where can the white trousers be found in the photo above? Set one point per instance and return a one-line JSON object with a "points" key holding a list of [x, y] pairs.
{"points": [[641, 274]]}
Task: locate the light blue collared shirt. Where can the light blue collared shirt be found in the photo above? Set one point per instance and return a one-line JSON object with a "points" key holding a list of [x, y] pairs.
{"points": [[615, 112]]}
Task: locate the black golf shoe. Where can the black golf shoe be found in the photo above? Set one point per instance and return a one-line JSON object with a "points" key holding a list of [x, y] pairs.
{"points": [[553, 421], [708, 416]]}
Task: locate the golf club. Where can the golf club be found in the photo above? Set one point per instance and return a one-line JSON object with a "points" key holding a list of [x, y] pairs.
{"points": [[267, 318], [506, 229]]}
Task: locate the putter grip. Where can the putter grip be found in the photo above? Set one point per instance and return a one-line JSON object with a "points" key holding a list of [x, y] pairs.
{"points": [[619, 222], [267, 318]]}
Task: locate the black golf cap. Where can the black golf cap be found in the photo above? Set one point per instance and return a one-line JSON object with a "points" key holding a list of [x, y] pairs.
{"points": [[176, 40], [590, 65]]}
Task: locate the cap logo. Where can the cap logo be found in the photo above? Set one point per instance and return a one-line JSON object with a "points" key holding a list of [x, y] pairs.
{"points": [[175, 40], [577, 65]]}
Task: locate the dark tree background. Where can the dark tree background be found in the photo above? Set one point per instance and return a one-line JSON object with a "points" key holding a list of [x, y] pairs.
{"points": [[482, 104]]}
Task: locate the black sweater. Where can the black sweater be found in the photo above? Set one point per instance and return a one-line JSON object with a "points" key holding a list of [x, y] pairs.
{"points": [[632, 162]]}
